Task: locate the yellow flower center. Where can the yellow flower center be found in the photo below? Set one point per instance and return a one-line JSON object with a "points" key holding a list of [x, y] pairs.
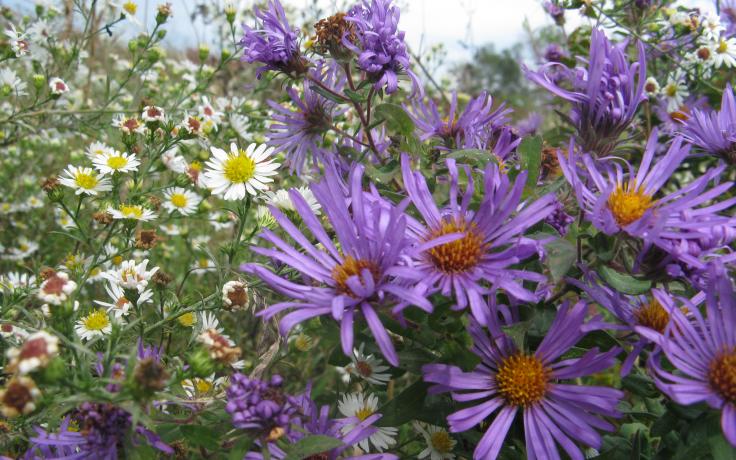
{"points": [[202, 386], [722, 46], [239, 168], [364, 413], [441, 441], [671, 90], [195, 166], [130, 7], [117, 162], [131, 211], [117, 260], [722, 374], [97, 320], [628, 206], [179, 200], [522, 379], [203, 263], [85, 180], [187, 319], [653, 316], [353, 267], [459, 255], [303, 342]]}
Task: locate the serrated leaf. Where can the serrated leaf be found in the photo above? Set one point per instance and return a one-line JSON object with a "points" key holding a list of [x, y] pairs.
{"points": [[311, 445], [396, 118], [624, 283]]}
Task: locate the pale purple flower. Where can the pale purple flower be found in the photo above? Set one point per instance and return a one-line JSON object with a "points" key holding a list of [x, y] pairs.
{"points": [[260, 406], [508, 381], [715, 131]]}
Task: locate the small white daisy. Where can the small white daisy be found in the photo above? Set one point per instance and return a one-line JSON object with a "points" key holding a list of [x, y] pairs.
{"points": [[366, 367], [23, 249], [171, 229], [198, 387], [282, 200], [95, 324], [85, 180], [439, 442], [193, 125], [151, 113], [35, 202], [174, 162], [232, 174], [208, 112], [724, 52], [651, 87], [56, 289], [11, 84], [131, 275], [97, 148], [18, 41], [121, 305], [181, 200], [221, 221], [129, 125], [112, 161], [15, 280], [203, 265], [132, 211], [128, 10], [63, 219], [362, 407], [712, 26], [674, 93], [57, 86], [207, 320]]}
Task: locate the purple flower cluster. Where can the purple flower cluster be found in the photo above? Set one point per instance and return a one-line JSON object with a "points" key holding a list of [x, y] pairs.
{"points": [[509, 380], [273, 42], [259, 406], [102, 429], [381, 50], [605, 96], [715, 131]]}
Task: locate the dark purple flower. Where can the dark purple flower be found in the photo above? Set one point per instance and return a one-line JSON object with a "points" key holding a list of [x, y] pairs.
{"points": [[703, 352], [635, 313], [273, 42], [359, 278], [529, 125], [261, 407], [616, 200], [605, 96], [554, 53], [299, 132], [559, 219], [556, 11], [465, 130], [509, 380], [381, 49], [102, 431], [486, 242], [715, 131], [148, 351]]}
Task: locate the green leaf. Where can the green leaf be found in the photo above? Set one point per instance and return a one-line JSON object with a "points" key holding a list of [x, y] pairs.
{"points": [[242, 447], [530, 153], [396, 118], [517, 333], [560, 257], [326, 94], [311, 445], [405, 406], [200, 436], [471, 156], [624, 283]]}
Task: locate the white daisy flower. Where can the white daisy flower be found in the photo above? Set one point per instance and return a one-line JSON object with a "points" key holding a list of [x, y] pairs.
{"points": [[24, 249], [439, 442], [129, 125], [112, 161], [366, 367], [203, 265], [282, 200], [362, 407], [96, 274], [35, 353], [128, 10], [121, 305], [208, 112], [207, 320], [724, 52], [174, 162], [239, 171], [193, 125], [18, 41], [651, 87], [8, 331], [221, 221], [11, 84], [8, 208], [200, 241], [63, 219], [132, 211], [35, 202], [95, 324], [15, 280], [57, 86], [674, 93], [131, 275], [97, 148], [56, 289], [151, 113], [171, 229], [197, 387], [181, 200], [85, 180], [712, 26]]}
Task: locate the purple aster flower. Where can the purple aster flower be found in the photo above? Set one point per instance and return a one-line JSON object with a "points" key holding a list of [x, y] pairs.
{"points": [[615, 200], [465, 130], [554, 53], [728, 16], [359, 278], [381, 49], [715, 131], [103, 429], [529, 126], [261, 407], [555, 11], [509, 380], [273, 42], [148, 352], [559, 219], [605, 96], [299, 132], [703, 353], [635, 313], [672, 121], [488, 241]]}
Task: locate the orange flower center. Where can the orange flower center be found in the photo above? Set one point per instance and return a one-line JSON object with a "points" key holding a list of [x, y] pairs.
{"points": [[653, 316], [353, 267], [522, 379], [722, 374], [628, 206], [459, 255]]}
